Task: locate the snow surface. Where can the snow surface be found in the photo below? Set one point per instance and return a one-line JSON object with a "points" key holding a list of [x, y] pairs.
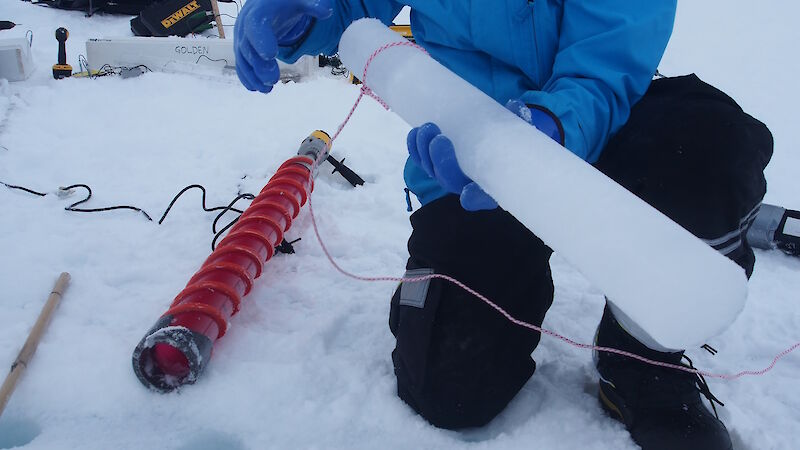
{"points": [[306, 364]]}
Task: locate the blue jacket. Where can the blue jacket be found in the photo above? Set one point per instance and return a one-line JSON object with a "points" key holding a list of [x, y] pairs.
{"points": [[586, 61]]}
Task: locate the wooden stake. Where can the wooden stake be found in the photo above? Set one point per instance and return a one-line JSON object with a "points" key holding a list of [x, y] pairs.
{"points": [[215, 10], [32, 342]]}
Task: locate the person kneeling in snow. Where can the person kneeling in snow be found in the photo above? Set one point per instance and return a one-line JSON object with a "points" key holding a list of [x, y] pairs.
{"points": [[582, 73]]}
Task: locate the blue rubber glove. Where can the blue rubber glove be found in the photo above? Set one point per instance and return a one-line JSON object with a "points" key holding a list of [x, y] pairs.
{"points": [[434, 152], [262, 26]]}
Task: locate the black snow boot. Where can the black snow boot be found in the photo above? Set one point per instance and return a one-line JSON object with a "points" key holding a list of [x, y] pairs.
{"points": [[660, 407]]}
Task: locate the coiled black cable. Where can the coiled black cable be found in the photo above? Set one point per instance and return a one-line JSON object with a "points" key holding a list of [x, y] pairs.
{"points": [[73, 207]]}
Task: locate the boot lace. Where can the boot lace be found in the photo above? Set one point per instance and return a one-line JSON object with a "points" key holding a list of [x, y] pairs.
{"points": [[702, 386]]}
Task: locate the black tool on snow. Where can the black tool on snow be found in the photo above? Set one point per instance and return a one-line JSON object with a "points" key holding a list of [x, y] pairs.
{"points": [[127, 7], [173, 18], [62, 69], [346, 172]]}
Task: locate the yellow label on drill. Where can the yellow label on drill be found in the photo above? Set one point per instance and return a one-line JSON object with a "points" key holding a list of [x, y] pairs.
{"points": [[180, 14], [323, 136]]}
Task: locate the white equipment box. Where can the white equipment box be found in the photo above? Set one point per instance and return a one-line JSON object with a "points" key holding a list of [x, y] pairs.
{"points": [[15, 59], [175, 54]]}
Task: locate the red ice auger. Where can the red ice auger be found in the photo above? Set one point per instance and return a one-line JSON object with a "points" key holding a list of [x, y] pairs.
{"points": [[177, 349]]}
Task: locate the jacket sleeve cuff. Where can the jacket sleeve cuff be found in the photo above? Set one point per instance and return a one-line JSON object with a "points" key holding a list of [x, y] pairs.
{"points": [[547, 122]]}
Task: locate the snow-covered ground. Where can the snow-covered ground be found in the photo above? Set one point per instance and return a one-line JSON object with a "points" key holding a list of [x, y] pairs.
{"points": [[306, 364]]}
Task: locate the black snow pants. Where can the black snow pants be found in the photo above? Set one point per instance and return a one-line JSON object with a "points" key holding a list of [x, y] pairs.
{"points": [[688, 150]]}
